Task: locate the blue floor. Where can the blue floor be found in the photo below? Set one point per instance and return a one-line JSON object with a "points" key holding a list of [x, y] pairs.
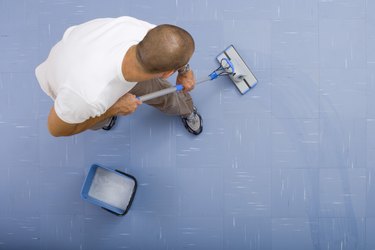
{"points": [[288, 166]]}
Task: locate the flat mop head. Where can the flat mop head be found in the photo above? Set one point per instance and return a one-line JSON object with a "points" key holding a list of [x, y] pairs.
{"points": [[242, 76]]}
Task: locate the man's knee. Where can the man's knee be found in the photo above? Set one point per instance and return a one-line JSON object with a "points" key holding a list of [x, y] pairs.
{"points": [[149, 86]]}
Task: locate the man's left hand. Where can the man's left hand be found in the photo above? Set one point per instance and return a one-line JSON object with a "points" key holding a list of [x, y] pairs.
{"points": [[187, 80]]}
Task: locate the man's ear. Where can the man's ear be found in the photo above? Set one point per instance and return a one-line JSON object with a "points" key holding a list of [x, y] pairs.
{"points": [[167, 74]]}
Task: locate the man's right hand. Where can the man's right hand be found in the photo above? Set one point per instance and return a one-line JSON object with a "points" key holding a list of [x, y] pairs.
{"points": [[126, 105]]}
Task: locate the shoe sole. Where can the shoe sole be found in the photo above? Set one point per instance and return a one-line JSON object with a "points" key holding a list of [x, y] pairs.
{"points": [[111, 124], [191, 130]]}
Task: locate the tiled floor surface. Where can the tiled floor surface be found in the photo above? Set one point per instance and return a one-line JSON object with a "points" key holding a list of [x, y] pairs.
{"points": [[288, 166]]}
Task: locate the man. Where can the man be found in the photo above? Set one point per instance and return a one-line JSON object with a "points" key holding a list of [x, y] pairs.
{"points": [[99, 67]]}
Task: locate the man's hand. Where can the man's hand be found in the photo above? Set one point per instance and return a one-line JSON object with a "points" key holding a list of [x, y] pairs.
{"points": [[187, 80], [126, 105]]}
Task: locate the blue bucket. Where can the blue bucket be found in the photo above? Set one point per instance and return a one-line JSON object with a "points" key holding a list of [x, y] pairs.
{"points": [[110, 189]]}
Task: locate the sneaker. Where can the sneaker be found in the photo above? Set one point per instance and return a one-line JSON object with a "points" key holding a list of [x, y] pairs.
{"points": [[110, 124], [193, 122]]}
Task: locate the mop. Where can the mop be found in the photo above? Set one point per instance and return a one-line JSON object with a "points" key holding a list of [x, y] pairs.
{"points": [[231, 64]]}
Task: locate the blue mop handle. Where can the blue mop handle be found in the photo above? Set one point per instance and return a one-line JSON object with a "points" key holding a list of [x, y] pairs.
{"points": [[162, 92], [166, 91]]}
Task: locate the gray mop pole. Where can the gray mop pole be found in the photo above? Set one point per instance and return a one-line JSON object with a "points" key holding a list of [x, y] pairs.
{"points": [[172, 89]]}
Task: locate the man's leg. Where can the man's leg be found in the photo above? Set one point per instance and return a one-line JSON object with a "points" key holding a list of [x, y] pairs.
{"points": [[180, 104], [177, 103]]}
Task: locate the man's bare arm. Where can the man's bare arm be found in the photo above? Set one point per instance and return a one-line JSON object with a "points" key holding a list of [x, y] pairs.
{"points": [[186, 79], [127, 104]]}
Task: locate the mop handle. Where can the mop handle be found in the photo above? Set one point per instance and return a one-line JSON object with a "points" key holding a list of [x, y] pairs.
{"points": [[169, 90]]}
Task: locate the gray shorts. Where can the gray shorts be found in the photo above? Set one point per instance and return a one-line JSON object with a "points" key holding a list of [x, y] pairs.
{"points": [[177, 103]]}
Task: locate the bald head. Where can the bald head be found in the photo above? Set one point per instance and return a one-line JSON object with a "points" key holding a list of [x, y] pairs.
{"points": [[164, 48]]}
